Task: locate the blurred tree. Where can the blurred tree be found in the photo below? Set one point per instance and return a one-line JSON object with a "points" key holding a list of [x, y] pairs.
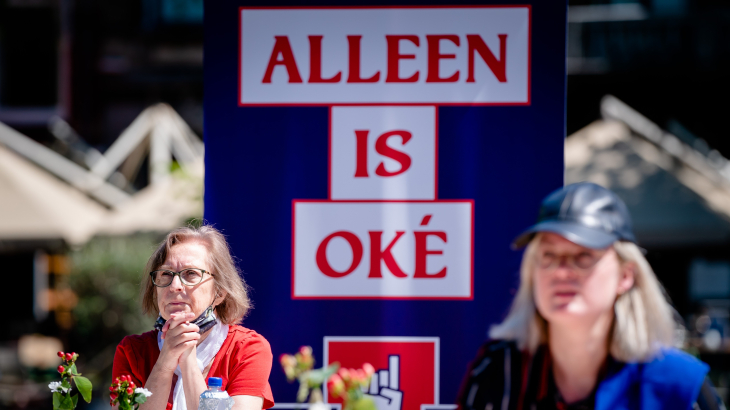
{"points": [[106, 275]]}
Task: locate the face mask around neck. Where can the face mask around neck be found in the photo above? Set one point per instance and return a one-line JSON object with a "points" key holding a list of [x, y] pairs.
{"points": [[205, 321]]}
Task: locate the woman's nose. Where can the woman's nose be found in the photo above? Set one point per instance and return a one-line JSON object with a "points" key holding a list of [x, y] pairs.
{"points": [[176, 284], [565, 269]]}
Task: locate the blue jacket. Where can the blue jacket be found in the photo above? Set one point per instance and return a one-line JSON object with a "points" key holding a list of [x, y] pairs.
{"points": [[670, 381]]}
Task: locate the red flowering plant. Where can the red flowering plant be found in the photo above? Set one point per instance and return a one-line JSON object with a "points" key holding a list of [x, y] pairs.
{"points": [[300, 367], [62, 398], [349, 385], [126, 394]]}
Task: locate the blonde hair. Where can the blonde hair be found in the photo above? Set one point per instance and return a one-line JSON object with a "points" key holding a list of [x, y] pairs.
{"points": [[235, 305], [644, 321]]}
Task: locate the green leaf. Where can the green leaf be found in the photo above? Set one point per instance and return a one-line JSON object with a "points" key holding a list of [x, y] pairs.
{"points": [[365, 403], [317, 377], [84, 386], [75, 399], [56, 400], [73, 370], [124, 404], [65, 384], [303, 392], [66, 403], [140, 399]]}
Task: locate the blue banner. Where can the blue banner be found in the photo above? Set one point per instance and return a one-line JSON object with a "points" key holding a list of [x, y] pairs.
{"points": [[370, 166]]}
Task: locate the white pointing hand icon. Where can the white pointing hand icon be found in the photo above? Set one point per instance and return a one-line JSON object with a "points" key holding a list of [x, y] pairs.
{"points": [[385, 385]]}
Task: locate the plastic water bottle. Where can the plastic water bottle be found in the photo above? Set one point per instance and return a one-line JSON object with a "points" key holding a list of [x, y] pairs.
{"points": [[214, 398]]}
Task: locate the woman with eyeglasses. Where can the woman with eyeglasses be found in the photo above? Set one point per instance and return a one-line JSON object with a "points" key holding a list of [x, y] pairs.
{"points": [[590, 326], [194, 287]]}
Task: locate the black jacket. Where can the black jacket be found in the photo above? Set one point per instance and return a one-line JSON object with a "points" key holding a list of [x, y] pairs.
{"points": [[505, 378]]}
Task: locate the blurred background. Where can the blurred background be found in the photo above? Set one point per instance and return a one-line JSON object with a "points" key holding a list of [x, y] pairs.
{"points": [[101, 153]]}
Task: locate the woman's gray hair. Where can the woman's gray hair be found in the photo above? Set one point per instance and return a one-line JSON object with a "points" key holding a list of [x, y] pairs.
{"points": [[643, 322], [235, 305]]}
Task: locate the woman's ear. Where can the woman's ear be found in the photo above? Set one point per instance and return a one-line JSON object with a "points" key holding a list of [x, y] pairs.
{"points": [[220, 298], [627, 275]]}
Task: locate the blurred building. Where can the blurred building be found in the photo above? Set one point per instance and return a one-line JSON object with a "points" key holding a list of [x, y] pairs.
{"points": [[51, 204], [667, 59], [98, 64]]}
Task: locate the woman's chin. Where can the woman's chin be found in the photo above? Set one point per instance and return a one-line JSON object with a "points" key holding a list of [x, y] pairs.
{"points": [[171, 310], [565, 312]]}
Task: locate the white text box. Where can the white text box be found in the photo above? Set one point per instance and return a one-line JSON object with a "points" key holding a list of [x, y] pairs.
{"points": [[369, 55], [419, 250], [383, 153]]}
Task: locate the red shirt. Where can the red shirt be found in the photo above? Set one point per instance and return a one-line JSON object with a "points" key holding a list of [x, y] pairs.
{"points": [[243, 362]]}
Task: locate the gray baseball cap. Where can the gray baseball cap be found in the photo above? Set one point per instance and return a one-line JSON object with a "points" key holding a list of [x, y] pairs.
{"points": [[583, 213]]}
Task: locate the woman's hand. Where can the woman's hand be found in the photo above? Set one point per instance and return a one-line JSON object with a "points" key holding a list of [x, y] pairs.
{"points": [[180, 337]]}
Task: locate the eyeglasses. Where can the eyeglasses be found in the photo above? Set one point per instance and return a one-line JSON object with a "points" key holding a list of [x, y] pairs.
{"points": [[189, 277], [581, 261]]}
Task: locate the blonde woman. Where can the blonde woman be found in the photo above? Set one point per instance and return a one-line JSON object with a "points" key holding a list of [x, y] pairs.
{"points": [[590, 327], [194, 288]]}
